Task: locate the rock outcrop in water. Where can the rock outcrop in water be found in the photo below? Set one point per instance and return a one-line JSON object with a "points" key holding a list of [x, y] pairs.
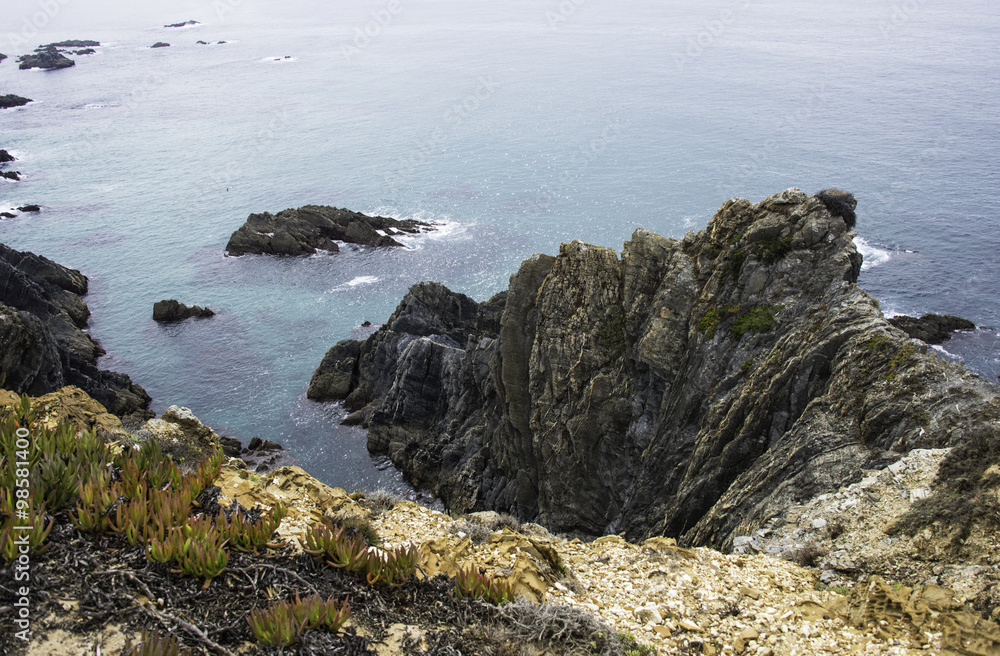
{"points": [[10, 100], [691, 388], [43, 346], [47, 57], [170, 310], [931, 328], [317, 227], [72, 43]]}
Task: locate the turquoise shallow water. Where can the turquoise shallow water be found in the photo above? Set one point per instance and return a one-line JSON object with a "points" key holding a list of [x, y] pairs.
{"points": [[515, 125]]}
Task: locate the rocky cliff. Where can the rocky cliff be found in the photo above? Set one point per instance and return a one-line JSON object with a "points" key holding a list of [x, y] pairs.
{"points": [[43, 345], [692, 388]]}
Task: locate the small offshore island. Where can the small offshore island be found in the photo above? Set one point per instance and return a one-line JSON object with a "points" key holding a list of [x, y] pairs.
{"points": [[317, 227], [714, 445]]}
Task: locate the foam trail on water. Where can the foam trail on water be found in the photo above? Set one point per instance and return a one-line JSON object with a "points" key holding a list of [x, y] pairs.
{"points": [[360, 280]]}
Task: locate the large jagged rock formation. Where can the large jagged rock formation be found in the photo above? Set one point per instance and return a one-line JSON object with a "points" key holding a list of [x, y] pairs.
{"points": [[303, 231], [43, 346], [690, 388]]}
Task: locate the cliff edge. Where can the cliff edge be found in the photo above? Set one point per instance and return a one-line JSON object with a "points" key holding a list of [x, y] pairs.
{"points": [[691, 388], [43, 342]]}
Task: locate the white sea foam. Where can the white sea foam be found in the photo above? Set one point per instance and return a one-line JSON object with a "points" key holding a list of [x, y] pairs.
{"points": [[443, 228], [874, 256], [941, 349], [362, 280], [355, 282]]}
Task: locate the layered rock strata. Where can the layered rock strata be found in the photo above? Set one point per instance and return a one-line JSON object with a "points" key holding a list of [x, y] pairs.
{"points": [[691, 388], [43, 344], [305, 230]]}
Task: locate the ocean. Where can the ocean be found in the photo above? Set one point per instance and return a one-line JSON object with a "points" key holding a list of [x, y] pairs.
{"points": [[513, 125]]}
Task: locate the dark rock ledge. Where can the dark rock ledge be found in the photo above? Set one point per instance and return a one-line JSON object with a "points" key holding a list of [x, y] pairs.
{"points": [[312, 227], [43, 344], [691, 388], [932, 328]]}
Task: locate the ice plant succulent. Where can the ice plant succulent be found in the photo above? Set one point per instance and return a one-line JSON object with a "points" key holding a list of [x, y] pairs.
{"points": [[332, 545], [473, 584], [282, 623]]}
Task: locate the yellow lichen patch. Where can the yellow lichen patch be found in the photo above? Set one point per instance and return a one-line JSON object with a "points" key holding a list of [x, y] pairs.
{"points": [[306, 499], [73, 406]]}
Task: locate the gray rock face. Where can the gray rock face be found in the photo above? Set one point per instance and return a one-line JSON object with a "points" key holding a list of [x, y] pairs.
{"points": [[689, 388], [47, 57], [170, 310], [303, 231], [42, 343]]}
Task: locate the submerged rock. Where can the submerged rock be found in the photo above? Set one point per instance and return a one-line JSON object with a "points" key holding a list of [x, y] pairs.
{"points": [[171, 310], [307, 229], [184, 24], [43, 344], [931, 328], [47, 57], [10, 100], [690, 388]]}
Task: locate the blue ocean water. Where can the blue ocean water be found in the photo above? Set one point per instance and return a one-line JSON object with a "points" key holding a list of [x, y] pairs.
{"points": [[515, 125]]}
